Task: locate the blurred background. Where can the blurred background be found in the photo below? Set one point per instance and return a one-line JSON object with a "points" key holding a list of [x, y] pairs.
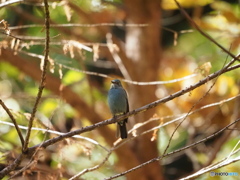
{"points": [[93, 41]]}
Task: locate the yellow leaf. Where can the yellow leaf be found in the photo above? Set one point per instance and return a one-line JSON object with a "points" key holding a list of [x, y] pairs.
{"points": [[170, 4]]}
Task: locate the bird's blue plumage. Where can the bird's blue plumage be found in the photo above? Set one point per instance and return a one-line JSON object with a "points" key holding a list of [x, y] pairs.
{"points": [[117, 101], [118, 104]]}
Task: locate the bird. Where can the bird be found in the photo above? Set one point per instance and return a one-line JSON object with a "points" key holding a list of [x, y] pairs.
{"points": [[118, 105]]}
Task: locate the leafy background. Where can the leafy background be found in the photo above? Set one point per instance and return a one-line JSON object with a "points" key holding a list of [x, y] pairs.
{"points": [[73, 98]]}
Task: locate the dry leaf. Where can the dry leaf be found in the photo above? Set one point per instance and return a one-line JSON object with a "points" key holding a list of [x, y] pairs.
{"points": [[42, 63], [4, 45], [204, 69], [60, 71], [95, 52], [135, 127], [13, 43], [68, 48], [154, 136], [52, 66], [16, 47], [67, 10], [5, 24]]}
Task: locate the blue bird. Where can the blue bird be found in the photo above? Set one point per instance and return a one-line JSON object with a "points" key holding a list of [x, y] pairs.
{"points": [[118, 104]]}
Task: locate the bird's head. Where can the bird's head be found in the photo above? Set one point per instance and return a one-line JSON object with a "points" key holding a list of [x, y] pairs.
{"points": [[116, 83]]}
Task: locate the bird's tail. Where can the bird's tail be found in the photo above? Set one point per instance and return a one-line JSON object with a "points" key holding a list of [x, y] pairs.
{"points": [[122, 129]]}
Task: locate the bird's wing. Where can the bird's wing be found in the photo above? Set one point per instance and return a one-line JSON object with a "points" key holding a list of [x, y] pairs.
{"points": [[127, 110], [127, 105]]}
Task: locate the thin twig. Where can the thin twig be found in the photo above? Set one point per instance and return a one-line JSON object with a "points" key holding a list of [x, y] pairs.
{"points": [[114, 51], [202, 32], [11, 2], [81, 25], [30, 164], [92, 168], [14, 121], [43, 78], [111, 77], [7, 3]]}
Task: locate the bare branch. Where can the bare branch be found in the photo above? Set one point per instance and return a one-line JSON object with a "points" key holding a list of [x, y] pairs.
{"points": [[7, 3], [111, 77], [203, 33], [79, 25], [11, 2], [13, 120], [113, 48], [43, 78], [92, 168]]}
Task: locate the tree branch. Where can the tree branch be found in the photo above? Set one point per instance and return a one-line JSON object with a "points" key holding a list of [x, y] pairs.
{"points": [[13, 120], [43, 78]]}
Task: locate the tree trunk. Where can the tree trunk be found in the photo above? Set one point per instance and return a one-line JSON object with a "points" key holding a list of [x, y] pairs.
{"points": [[143, 50]]}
